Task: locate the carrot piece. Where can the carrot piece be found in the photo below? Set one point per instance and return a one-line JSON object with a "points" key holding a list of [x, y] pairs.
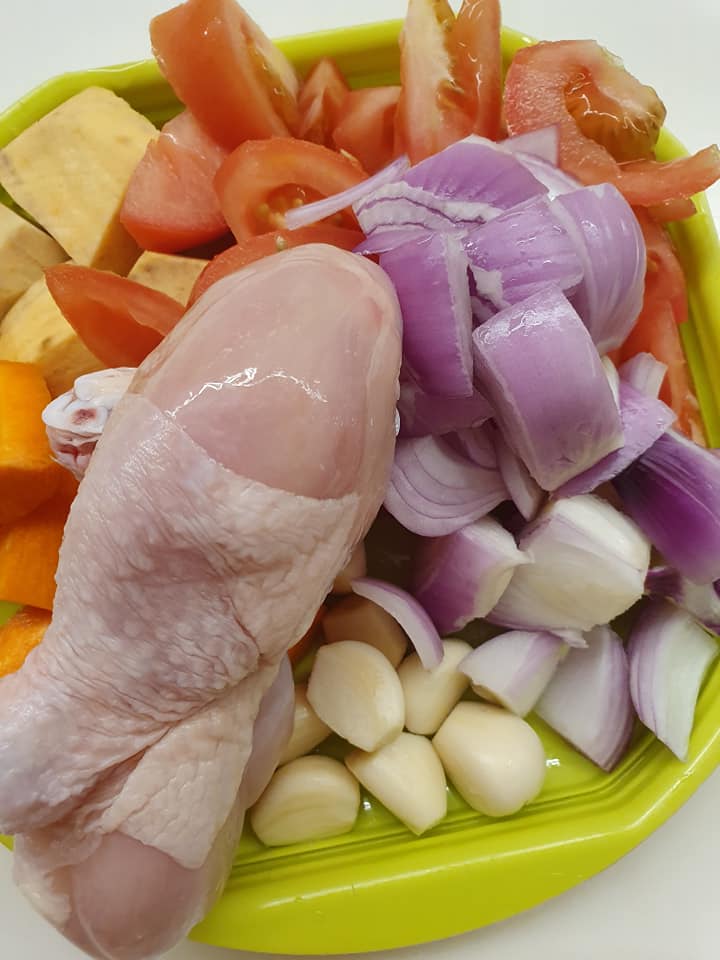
{"points": [[19, 635], [305, 643], [30, 547], [28, 475]]}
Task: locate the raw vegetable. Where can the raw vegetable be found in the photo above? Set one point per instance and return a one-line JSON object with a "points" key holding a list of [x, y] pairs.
{"points": [[434, 490], [669, 654], [24, 252], [167, 273], [588, 699], [495, 759], [28, 476], [461, 577], [29, 550], [310, 798], [366, 126], [673, 494], [407, 777], [21, 634], [262, 179], [323, 94], [524, 492], [226, 71], [308, 729], [356, 618], [119, 320], [424, 413], [171, 203], [644, 373], [354, 689], [589, 567], [409, 615], [514, 668], [701, 600], [558, 425], [430, 695]]}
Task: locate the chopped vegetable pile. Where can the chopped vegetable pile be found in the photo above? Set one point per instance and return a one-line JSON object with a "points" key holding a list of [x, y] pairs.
{"points": [[550, 445]]}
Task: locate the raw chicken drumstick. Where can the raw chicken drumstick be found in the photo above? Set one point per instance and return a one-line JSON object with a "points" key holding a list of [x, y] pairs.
{"points": [[230, 485]]}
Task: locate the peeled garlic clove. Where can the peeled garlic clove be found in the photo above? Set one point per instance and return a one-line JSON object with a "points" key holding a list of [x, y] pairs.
{"points": [[494, 758], [310, 798], [355, 690], [308, 729], [407, 777], [430, 695], [355, 567], [358, 619]]}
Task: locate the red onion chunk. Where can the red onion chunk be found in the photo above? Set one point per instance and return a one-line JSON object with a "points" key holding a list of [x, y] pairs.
{"points": [[588, 699], [422, 414], [543, 144], [537, 366], [320, 209], [644, 373], [589, 566], [514, 668], [476, 171], [643, 421], [461, 577], [555, 180], [672, 492], [382, 240], [477, 444], [610, 244], [408, 613], [669, 655], [701, 600], [524, 492], [519, 252], [434, 491], [430, 279], [401, 206]]}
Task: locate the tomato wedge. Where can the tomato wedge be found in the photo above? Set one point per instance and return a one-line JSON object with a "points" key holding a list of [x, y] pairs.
{"points": [[320, 100], [366, 126], [118, 320], [221, 65], [171, 204], [450, 74], [262, 178], [608, 122], [256, 248]]}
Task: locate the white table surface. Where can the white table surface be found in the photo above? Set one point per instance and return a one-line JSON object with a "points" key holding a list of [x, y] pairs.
{"points": [[659, 902]]}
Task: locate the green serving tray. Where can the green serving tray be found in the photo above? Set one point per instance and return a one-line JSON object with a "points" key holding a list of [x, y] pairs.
{"points": [[379, 886]]}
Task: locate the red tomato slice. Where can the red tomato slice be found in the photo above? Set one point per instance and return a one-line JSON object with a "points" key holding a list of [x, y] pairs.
{"points": [[118, 320], [223, 67], [366, 126], [604, 116], [261, 172], [256, 248], [450, 72], [664, 279], [171, 204], [320, 100], [475, 40]]}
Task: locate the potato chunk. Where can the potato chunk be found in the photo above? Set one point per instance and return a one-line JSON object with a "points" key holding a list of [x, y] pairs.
{"points": [[70, 171], [24, 252], [168, 273]]}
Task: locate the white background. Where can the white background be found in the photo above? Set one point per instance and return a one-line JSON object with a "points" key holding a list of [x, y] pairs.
{"points": [[660, 902]]}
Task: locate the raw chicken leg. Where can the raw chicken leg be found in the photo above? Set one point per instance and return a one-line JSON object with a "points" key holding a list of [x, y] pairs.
{"points": [[228, 488]]}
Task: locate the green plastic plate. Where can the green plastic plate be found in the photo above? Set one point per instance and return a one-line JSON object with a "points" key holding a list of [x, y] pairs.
{"points": [[379, 886]]}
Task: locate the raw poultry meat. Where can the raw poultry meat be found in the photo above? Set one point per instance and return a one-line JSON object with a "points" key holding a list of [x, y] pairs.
{"points": [[229, 486]]}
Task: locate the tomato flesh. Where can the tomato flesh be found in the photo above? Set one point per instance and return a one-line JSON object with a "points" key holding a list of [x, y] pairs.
{"points": [[544, 84], [450, 75], [171, 204], [222, 66], [256, 248], [118, 320], [253, 174], [320, 101], [366, 126]]}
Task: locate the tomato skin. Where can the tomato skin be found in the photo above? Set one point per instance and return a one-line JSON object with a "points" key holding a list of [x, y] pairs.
{"points": [[366, 126], [256, 248], [450, 72], [170, 204], [221, 66], [118, 320], [320, 101], [536, 89], [255, 171]]}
